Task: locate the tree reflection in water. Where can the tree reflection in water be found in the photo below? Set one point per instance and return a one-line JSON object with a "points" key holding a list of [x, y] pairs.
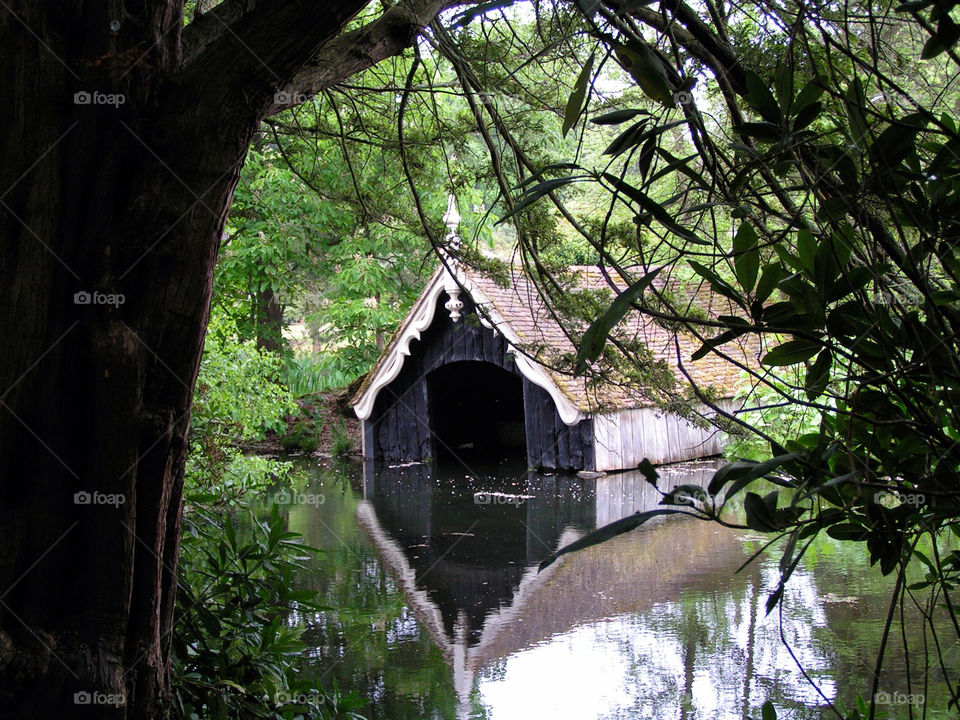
{"points": [[438, 610]]}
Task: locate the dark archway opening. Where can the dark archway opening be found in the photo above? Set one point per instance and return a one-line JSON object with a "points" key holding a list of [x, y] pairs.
{"points": [[476, 409]]}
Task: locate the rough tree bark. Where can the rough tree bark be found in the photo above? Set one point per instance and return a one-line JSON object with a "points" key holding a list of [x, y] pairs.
{"points": [[122, 137]]}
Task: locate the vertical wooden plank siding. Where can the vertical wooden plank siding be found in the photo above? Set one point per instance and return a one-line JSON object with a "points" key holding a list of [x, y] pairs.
{"points": [[623, 438]]}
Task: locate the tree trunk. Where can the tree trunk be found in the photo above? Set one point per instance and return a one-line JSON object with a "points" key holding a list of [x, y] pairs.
{"points": [[269, 321], [118, 170]]}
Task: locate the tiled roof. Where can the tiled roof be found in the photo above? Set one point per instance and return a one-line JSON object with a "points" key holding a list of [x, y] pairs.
{"points": [[523, 309]]}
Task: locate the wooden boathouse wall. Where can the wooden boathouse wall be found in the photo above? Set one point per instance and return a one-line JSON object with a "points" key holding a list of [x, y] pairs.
{"points": [[625, 437], [399, 428]]}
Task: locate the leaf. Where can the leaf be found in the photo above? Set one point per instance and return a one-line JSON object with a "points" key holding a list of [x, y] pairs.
{"points": [[806, 249], [854, 103], [818, 375], [761, 130], [654, 208], [847, 531], [758, 514], [806, 116], [546, 168], [646, 67], [792, 352], [771, 275], [768, 711], [678, 164], [945, 37], [537, 192], [718, 340], [784, 85], [646, 156], [746, 470], [617, 116], [577, 97], [746, 259], [897, 142], [595, 337], [762, 100], [810, 93], [627, 139], [648, 471], [618, 527], [716, 283], [684, 495], [636, 135]]}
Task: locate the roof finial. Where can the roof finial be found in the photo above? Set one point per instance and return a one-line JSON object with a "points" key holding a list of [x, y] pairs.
{"points": [[451, 218]]}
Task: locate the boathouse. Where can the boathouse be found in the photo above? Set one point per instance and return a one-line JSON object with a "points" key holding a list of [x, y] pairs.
{"points": [[462, 378]]}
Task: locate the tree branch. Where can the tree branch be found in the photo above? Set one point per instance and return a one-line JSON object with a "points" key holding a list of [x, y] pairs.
{"points": [[258, 52], [694, 35], [392, 33]]}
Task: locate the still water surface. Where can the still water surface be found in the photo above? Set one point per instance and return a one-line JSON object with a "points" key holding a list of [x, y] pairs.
{"points": [[437, 609]]}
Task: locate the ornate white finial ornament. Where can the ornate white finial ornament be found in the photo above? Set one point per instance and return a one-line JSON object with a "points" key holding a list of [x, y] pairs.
{"points": [[454, 305], [451, 218]]}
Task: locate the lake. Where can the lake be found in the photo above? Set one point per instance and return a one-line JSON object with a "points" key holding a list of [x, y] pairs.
{"points": [[437, 609]]}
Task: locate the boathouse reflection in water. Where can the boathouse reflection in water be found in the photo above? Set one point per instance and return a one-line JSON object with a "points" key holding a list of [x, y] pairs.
{"points": [[465, 549]]}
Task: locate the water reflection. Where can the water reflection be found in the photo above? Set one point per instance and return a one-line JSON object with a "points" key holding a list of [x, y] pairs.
{"points": [[466, 550], [438, 610]]}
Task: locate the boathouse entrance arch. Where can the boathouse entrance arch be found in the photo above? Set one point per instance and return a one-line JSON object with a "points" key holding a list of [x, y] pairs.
{"points": [[476, 409]]}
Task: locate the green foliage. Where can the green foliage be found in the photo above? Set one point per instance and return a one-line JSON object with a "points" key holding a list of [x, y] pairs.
{"points": [[234, 653], [311, 375], [302, 436], [239, 396], [239, 393], [342, 442], [765, 409], [819, 198]]}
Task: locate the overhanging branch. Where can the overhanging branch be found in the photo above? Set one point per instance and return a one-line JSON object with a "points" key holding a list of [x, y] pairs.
{"points": [[389, 35]]}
